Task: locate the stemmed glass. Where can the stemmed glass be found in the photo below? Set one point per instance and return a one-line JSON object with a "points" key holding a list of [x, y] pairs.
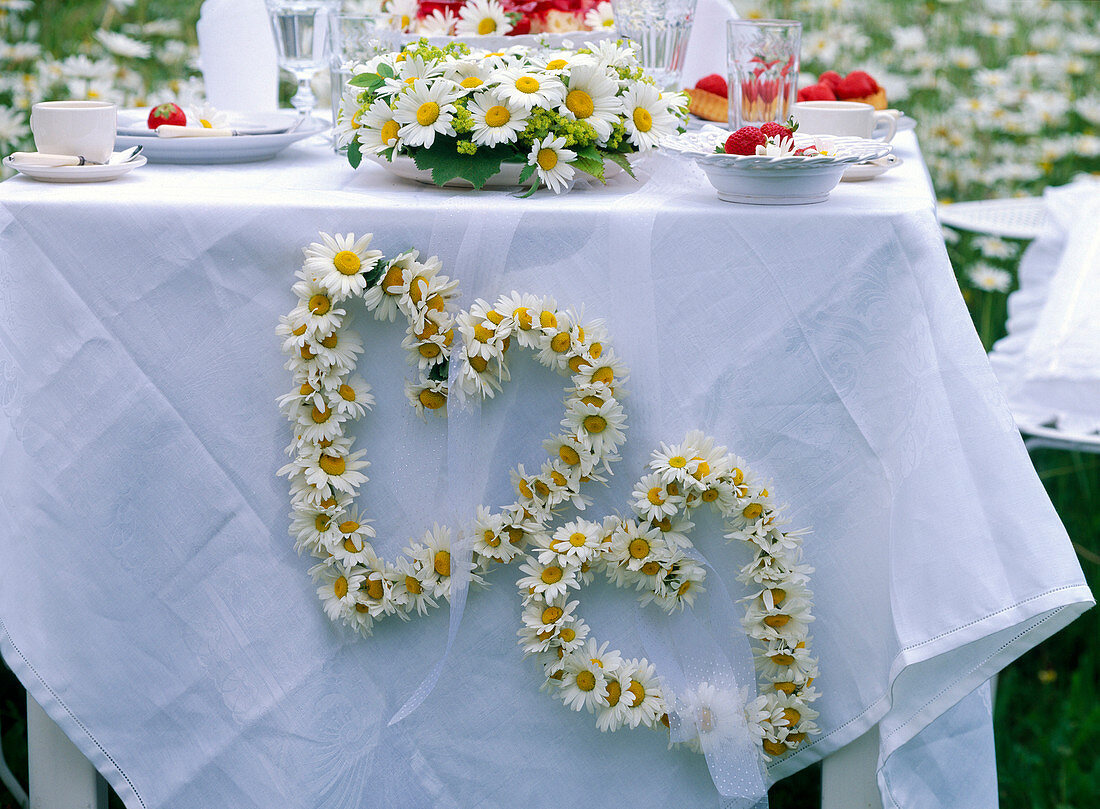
{"points": [[301, 36]]}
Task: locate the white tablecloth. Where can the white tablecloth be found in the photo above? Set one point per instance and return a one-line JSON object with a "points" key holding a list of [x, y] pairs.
{"points": [[151, 599]]}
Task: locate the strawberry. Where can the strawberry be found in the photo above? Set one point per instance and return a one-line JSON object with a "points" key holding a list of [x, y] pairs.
{"points": [[167, 114], [816, 92], [745, 140], [856, 84], [774, 130], [830, 78], [713, 84]]}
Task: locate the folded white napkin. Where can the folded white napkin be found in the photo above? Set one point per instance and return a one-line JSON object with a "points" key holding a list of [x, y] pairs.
{"points": [[43, 159]]}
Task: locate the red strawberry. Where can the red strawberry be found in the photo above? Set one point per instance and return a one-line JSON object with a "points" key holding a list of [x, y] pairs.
{"points": [[830, 78], [773, 130], [167, 114], [816, 92], [856, 84], [745, 140], [713, 84]]}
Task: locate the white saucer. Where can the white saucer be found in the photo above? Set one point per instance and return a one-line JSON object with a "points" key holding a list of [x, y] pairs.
{"points": [[77, 174], [868, 171]]}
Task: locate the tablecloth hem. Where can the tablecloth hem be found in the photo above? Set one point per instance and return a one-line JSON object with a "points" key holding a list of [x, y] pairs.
{"points": [[1055, 609], [60, 713]]}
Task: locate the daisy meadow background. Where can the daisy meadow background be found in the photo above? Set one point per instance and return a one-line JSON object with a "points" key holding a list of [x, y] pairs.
{"points": [[1007, 100]]}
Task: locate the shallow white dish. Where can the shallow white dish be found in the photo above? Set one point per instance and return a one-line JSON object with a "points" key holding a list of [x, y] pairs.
{"points": [[508, 176], [861, 172], [546, 41], [786, 180], [135, 122], [77, 174], [230, 149]]}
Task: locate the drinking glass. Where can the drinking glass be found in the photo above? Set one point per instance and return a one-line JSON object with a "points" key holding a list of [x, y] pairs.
{"points": [[354, 38], [762, 62], [300, 28], [661, 29]]}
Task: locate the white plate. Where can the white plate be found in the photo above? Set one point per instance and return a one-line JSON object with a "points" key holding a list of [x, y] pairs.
{"points": [[77, 174], [230, 149], [135, 122], [868, 171], [508, 176]]}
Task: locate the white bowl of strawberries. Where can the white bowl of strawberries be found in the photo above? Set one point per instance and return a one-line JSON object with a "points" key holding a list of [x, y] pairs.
{"points": [[773, 164]]}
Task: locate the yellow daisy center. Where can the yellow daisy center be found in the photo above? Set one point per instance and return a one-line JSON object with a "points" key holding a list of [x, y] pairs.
{"points": [[319, 304], [556, 64], [654, 496], [568, 634], [586, 680], [442, 563], [551, 614], [470, 82], [577, 540], [614, 691], [306, 389], [431, 400], [374, 588], [595, 424], [547, 159], [651, 568], [778, 596], [785, 686], [547, 319], [774, 748], [347, 262], [559, 343], [515, 535], [638, 690], [638, 548], [522, 316], [558, 478], [782, 659], [579, 103], [418, 286], [524, 489], [330, 341], [777, 621], [332, 465], [349, 546], [738, 476], [486, 26], [321, 522], [320, 416], [482, 333], [527, 84], [429, 350], [684, 588], [551, 575], [479, 364], [389, 132], [347, 393], [412, 584], [340, 587], [792, 716], [677, 462], [710, 495], [541, 488], [643, 121], [604, 375], [752, 511], [569, 455], [392, 279], [427, 113]]}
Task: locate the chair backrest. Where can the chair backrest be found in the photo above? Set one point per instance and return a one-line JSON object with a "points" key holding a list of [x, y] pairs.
{"points": [[237, 53]]}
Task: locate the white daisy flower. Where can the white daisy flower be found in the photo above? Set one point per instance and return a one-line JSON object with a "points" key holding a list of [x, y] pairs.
{"points": [[312, 528], [402, 13], [491, 537], [349, 114], [579, 540], [652, 500], [316, 307], [592, 97], [424, 111], [584, 680], [377, 128], [547, 582], [646, 119], [427, 395], [341, 263], [610, 53], [437, 24], [336, 587], [600, 17], [599, 427], [529, 88], [353, 397], [482, 18], [496, 120], [717, 715], [633, 546], [409, 591], [552, 162], [989, 279], [644, 693], [382, 298], [612, 711]]}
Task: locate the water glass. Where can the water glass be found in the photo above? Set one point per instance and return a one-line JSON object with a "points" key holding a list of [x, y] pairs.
{"points": [[301, 41], [354, 38], [762, 63], [661, 29]]}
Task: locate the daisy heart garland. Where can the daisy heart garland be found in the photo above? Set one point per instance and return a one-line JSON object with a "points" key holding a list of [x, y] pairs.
{"points": [[648, 551]]}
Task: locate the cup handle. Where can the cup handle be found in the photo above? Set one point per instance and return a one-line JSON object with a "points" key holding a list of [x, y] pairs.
{"points": [[891, 125]]}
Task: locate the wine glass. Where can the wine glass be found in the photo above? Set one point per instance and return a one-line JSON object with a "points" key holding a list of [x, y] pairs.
{"points": [[301, 36]]}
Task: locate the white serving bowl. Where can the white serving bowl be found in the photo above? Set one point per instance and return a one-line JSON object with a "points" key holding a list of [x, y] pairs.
{"points": [[780, 180]]}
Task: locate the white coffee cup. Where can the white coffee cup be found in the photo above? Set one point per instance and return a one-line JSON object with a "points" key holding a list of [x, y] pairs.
{"points": [[85, 128], [853, 118]]}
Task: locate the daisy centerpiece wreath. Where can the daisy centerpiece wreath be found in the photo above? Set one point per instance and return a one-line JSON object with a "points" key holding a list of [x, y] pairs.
{"points": [[647, 550], [462, 113]]}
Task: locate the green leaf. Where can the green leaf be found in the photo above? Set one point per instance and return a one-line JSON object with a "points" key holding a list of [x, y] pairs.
{"points": [[439, 371], [370, 81], [445, 163], [620, 159], [593, 167], [385, 71], [525, 175], [355, 153]]}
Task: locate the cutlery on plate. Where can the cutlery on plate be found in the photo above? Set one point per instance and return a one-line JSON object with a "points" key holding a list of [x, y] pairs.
{"points": [[46, 160]]}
